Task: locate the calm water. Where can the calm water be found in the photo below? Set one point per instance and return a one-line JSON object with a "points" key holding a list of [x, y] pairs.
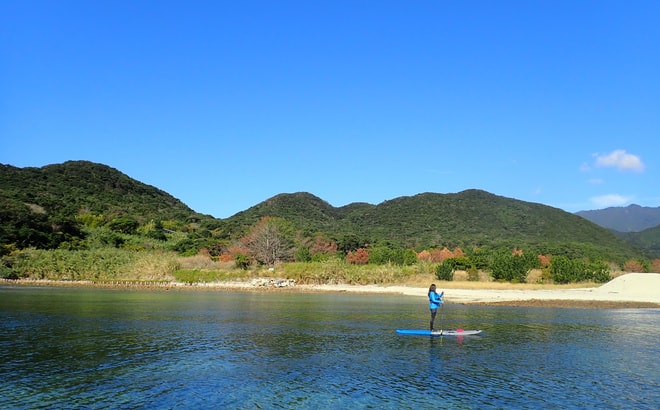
{"points": [[99, 348]]}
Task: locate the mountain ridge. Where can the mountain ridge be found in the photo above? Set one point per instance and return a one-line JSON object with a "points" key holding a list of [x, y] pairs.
{"points": [[632, 218], [470, 218]]}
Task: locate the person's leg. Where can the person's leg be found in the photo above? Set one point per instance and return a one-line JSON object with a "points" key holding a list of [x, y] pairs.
{"points": [[433, 313]]}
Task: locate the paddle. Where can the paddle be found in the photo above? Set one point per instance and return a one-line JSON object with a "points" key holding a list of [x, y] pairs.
{"points": [[442, 303]]}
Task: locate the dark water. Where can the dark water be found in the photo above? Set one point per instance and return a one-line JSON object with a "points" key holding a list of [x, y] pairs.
{"points": [[99, 348]]}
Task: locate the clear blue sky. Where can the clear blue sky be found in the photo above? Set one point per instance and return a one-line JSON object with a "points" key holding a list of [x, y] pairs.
{"points": [[226, 104]]}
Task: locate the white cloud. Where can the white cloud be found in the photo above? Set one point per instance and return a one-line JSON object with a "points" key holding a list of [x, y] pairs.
{"points": [[621, 160], [605, 201]]}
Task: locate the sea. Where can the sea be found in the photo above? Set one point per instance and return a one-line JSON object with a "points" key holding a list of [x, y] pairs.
{"points": [[98, 348]]}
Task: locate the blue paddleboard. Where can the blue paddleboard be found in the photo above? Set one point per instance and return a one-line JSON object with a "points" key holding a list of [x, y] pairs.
{"points": [[445, 332]]}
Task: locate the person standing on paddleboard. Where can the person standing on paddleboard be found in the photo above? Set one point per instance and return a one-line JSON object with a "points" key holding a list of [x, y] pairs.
{"points": [[435, 300]]}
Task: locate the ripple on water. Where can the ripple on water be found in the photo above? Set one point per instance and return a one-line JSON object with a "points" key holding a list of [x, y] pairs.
{"points": [[211, 350]]}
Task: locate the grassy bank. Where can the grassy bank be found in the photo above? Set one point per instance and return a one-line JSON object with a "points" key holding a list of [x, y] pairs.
{"points": [[108, 265]]}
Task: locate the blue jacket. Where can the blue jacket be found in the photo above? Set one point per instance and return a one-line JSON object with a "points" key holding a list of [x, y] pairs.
{"points": [[435, 300]]}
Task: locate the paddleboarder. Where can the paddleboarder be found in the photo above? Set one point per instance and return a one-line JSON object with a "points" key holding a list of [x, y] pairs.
{"points": [[435, 300]]}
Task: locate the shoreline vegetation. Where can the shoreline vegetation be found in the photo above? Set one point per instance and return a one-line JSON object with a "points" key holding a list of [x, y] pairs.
{"points": [[158, 270]]}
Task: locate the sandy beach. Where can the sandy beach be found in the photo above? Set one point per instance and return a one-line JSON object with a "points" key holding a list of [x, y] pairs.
{"points": [[630, 290]]}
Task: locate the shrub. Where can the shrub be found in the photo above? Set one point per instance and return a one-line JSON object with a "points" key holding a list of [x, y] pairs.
{"points": [[242, 261], [302, 255], [473, 275], [633, 266], [445, 271], [655, 265], [565, 270], [7, 273], [409, 257], [511, 267], [360, 257], [600, 272]]}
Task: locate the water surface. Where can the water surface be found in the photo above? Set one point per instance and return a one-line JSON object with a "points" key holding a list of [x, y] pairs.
{"points": [[101, 348]]}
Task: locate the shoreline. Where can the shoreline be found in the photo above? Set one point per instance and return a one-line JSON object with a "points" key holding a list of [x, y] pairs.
{"points": [[633, 290]]}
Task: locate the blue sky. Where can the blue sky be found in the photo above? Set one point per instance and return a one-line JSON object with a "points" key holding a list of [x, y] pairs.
{"points": [[226, 104]]}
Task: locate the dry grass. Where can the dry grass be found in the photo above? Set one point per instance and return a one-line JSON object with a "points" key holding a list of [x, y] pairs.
{"points": [[338, 272], [203, 262]]}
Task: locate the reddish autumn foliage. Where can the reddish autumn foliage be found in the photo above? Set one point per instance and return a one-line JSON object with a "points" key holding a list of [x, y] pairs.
{"points": [[633, 266], [234, 250], [516, 252], [458, 253], [545, 260], [439, 256], [424, 256], [269, 240], [323, 246], [655, 265], [359, 257]]}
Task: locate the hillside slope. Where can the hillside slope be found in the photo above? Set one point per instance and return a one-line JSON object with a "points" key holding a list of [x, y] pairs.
{"points": [[648, 239], [633, 218], [469, 218], [82, 186], [41, 201]]}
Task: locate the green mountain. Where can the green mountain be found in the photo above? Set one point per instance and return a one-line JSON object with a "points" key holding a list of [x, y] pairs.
{"points": [[81, 186], [467, 219], [632, 218], [41, 207], [648, 239]]}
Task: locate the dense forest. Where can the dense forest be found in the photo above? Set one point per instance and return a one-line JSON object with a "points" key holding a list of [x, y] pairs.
{"points": [[80, 206]]}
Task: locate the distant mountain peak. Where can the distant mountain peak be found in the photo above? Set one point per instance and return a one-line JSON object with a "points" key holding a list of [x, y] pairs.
{"points": [[632, 218]]}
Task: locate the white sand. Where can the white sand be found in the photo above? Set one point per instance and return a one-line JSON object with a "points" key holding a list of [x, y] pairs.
{"points": [[632, 287]]}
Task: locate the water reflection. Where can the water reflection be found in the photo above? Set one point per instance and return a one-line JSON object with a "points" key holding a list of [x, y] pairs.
{"points": [[108, 349]]}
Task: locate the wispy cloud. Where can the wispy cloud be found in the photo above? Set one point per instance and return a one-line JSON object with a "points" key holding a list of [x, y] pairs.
{"points": [[621, 160], [605, 201]]}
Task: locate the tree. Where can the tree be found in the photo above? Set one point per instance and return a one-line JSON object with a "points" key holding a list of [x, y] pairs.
{"points": [[124, 224], [349, 243], [439, 256], [424, 256], [513, 266], [359, 257], [270, 240], [323, 245]]}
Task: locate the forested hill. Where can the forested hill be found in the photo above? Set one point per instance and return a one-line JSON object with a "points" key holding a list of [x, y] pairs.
{"points": [[47, 201], [632, 218], [47, 207], [74, 186], [468, 218]]}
